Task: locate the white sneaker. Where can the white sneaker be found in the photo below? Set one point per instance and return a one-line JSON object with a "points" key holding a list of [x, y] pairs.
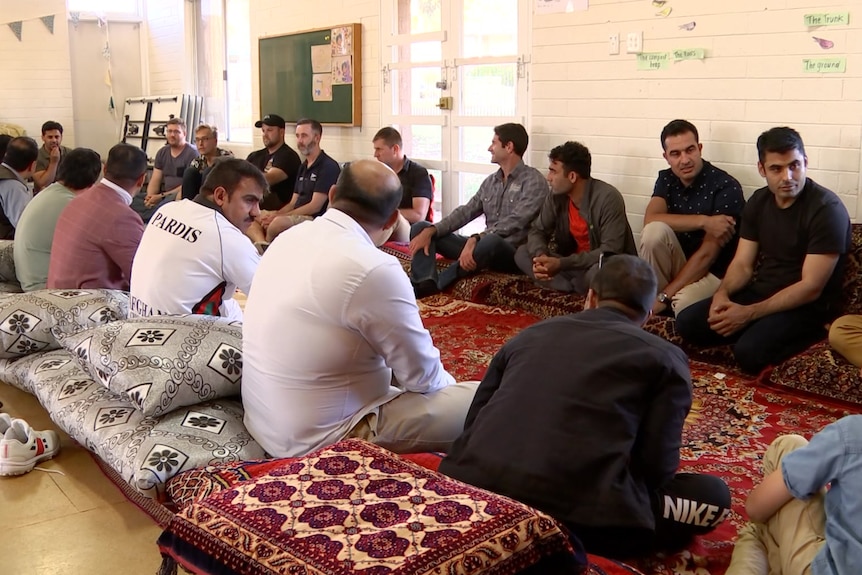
{"points": [[5, 422], [22, 447]]}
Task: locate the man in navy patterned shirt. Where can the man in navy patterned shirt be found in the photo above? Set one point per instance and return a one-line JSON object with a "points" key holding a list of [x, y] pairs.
{"points": [[691, 223]]}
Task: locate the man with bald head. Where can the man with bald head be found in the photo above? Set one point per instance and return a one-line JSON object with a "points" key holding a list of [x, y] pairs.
{"points": [[334, 346]]}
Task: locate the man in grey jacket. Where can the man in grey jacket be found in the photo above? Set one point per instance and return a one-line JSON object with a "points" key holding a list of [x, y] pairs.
{"points": [[509, 199], [580, 220]]}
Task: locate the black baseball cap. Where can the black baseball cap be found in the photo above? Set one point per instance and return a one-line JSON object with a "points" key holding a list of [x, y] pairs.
{"points": [[271, 120]]}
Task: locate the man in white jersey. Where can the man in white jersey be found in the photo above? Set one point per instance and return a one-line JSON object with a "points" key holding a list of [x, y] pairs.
{"points": [[194, 254]]}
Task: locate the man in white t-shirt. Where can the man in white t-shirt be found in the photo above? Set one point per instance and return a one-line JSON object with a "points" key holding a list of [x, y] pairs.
{"points": [[333, 342], [194, 254]]}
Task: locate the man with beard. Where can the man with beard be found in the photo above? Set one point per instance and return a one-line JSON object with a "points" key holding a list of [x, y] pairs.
{"points": [[278, 162], [206, 139], [317, 174], [51, 154], [202, 241], [170, 165]]}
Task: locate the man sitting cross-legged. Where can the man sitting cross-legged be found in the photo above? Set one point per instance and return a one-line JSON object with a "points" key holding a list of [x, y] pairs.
{"points": [[334, 346], [415, 204], [98, 233], [690, 225], [580, 220], [194, 254], [80, 169], [795, 234], [581, 416], [509, 199]]}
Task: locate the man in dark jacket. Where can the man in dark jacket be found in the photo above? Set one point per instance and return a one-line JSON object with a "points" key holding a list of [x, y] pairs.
{"points": [[581, 219], [581, 416]]}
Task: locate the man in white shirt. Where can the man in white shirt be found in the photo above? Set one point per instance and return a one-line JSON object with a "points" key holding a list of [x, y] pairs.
{"points": [[194, 254], [334, 345]]}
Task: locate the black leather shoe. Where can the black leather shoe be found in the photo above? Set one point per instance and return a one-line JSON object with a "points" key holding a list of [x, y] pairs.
{"points": [[425, 288]]}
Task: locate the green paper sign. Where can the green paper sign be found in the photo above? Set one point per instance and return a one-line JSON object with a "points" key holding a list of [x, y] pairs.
{"points": [[827, 19], [689, 54], [654, 61], [824, 65]]}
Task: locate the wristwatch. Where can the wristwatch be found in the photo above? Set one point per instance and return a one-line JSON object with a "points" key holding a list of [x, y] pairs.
{"points": [[663, 298]]}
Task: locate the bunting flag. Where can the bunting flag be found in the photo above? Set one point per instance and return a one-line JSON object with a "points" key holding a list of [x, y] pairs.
{"points": [[75, 17], [16, 29], [48, 21]]}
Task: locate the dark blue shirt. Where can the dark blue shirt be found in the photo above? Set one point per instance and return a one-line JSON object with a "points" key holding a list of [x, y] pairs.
{"points": [[712, 192], [318, 177], [416, 183]]}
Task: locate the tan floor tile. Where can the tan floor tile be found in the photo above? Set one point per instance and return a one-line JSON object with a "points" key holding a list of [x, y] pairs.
{"points": [[83, 483], [109, 540], [32, 498]]}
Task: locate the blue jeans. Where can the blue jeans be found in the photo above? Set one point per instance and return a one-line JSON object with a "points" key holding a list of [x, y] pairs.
{"points": [[766, 341], [491, 252]]}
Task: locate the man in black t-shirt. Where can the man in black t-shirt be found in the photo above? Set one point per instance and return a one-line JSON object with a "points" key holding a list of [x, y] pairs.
{"points": [[416, 184], [278, 162], [795, 234]]}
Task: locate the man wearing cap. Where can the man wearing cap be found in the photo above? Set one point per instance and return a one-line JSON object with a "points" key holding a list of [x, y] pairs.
{"points": [[278, 162]]}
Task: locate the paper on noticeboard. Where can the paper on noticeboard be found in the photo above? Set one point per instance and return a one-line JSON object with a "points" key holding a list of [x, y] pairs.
{"points": [[321, 87], [321, 59]]}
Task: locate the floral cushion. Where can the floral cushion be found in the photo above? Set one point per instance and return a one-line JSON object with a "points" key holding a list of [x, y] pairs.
{"points": [[354, 507], [159, 364], [29, 321], [144, 451]]}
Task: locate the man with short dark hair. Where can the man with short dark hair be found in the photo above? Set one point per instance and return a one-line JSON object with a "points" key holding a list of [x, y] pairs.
{"points": [[317, 174], [98, 233], [170, 165], [34, 235], [51, 155], [600, 406], [581, 219], [278, 162], [690, 225], [418, 192], [203, 244], [333, 343], [795, 235], [18, 164], [509, 199]]}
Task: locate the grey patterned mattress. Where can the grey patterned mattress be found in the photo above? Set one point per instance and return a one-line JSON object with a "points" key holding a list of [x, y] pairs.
{"points": [[150, 396]]}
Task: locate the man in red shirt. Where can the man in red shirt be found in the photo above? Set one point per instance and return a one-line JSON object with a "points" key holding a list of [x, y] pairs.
{"points": [[582, 216], [98, 233]]}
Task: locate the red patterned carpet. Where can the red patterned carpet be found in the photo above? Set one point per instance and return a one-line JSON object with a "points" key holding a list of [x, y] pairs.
{"points": [[731, 423]]}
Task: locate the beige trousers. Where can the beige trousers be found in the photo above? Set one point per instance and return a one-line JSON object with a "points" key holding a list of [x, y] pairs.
{"points": [[419, 422], [280, 224], [845, 336], [400, 232], [789, 541], [660, 248]]}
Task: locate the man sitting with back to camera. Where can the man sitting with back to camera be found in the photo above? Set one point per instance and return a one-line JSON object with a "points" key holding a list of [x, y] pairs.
{"points": [[600, 406], [580, 220], [194, 254]]}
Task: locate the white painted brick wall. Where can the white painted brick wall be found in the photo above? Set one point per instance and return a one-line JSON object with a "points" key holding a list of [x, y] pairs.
{"points": [[272, 18], [36, 72], [170, 56], [751, 80]]}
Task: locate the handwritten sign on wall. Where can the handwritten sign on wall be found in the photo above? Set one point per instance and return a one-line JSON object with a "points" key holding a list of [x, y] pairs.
{"points": [[689, 54], [654, 61], [827, 19], [824, 65]]}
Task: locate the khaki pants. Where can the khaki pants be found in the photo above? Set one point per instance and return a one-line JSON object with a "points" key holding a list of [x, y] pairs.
{"points": [[400, 232], [419, 422], [660, 248], [280, 224], [789, 541], [845, 336]]}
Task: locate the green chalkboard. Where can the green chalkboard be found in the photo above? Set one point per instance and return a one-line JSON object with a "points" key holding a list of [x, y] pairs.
{"points": [[287, 78]]}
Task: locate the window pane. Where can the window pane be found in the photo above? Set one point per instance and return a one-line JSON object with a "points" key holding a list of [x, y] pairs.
{"points": [[421, 52], [419, 16], [469, 186], [490, 28], [415, 91], [423, 141], [475, 142], [489, 90], [209, 52], [238, 46]]}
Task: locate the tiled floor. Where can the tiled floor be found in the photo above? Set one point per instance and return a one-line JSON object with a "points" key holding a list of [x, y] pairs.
{"points": [[77, 523]]}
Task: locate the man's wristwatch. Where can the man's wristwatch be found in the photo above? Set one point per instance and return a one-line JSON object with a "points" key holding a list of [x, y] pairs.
{"points": [[663, 298]]}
